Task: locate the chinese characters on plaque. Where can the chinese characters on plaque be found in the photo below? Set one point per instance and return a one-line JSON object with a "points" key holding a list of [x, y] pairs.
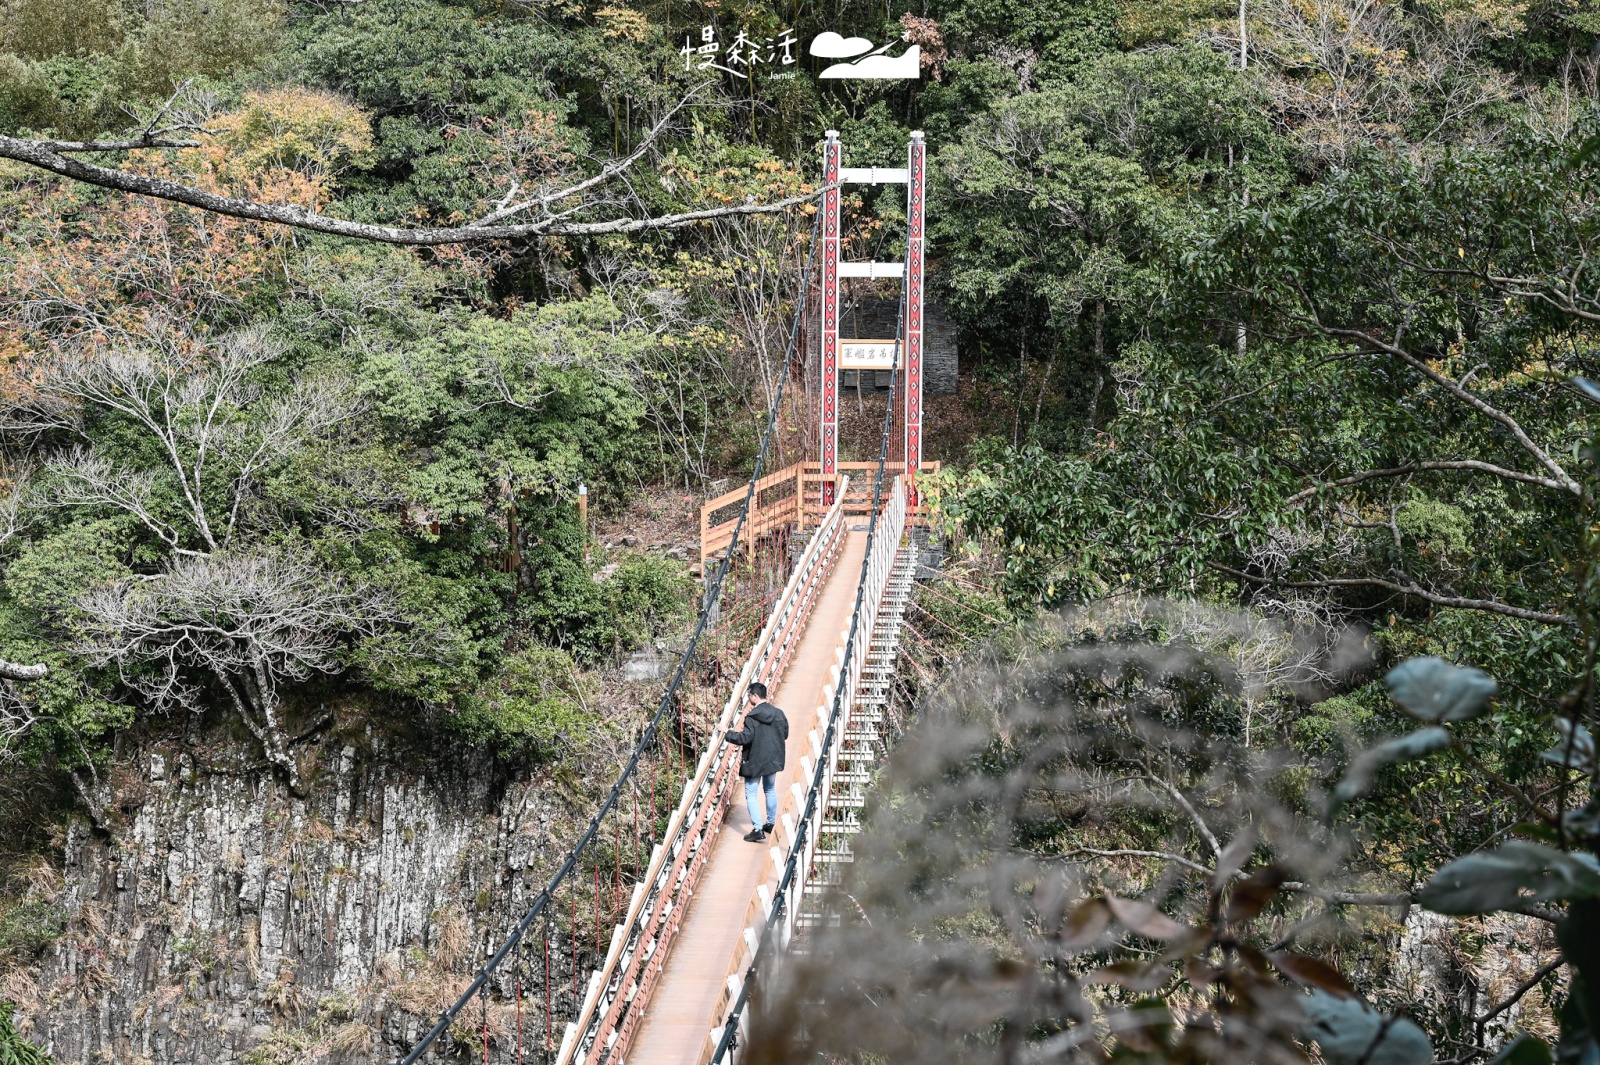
{"points": [[867, 354]]}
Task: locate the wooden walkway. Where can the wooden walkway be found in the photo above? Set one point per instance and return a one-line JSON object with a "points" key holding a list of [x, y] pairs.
{"points": [[690, 997]]}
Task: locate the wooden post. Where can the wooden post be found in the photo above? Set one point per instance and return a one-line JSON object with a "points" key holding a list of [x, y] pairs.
{"points": [[831, 201], [583, 517]]}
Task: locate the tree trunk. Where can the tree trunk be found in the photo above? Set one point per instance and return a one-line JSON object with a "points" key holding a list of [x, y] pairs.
{"points": [[1044, 384], [1016, 415], [266, 732], [1244, 48], [1099, 365]]}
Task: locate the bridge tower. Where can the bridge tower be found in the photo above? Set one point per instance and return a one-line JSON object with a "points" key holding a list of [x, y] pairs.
{"points": [[831, 199], [904, 352]]}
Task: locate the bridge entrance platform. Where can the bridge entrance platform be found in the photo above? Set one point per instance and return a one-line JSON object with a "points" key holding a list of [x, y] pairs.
{"points": [[690, 998]]}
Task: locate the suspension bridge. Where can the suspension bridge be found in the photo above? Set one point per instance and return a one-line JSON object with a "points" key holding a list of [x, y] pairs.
{"points": [[652, 941]]}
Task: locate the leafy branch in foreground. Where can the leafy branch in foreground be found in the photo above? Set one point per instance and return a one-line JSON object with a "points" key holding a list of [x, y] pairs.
{"points": [[1073, 845]]}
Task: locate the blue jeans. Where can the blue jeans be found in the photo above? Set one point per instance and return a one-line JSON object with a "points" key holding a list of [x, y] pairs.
{"points": [[753, 787]]}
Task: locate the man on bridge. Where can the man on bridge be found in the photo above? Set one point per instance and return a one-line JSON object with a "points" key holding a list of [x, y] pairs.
{"points": [[763, 738]]}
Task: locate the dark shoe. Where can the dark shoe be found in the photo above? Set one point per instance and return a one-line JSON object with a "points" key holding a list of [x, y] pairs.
{"points": [[767, 828], [755, 835]]}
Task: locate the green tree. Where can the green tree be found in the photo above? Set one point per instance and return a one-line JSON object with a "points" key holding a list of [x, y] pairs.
{"points": [[1051, 202]]}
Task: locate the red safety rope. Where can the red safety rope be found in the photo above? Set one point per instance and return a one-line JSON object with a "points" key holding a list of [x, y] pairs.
{"points": [[549, 999]]}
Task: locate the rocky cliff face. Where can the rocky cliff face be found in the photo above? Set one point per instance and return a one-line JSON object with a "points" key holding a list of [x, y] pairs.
{"points": [[226, 920]]}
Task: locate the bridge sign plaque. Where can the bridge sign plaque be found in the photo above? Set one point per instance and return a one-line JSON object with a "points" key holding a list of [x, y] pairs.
{"points": [[867, 354]]}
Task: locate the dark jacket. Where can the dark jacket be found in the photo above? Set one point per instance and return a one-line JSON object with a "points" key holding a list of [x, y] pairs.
{"points": [[763, 737]]}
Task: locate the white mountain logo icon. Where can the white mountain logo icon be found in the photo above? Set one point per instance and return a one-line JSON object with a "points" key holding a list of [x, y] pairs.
{"points": [[875, 66]]}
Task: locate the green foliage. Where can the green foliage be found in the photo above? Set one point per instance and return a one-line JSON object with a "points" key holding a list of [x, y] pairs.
{"points": [[71, 66], [1331, 724], [14, 1050], [442, 85], [533, 405], [1358, 778], [645, 596], [26, 100], [451, 622], [595, 619], [534, 703], [1349, 1032], [49, 574], [1064, 35]]}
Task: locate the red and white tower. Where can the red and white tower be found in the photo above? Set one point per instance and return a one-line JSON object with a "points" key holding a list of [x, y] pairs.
{"points": [[911, 371], [831, 199], [903, 353]]}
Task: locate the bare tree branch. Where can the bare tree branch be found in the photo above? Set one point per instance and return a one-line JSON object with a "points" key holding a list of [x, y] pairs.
{"points": [[13, 671], [1194, 815], [157, 139], [1409, 588], [1417, 467], [1352, 898], [199, 408], [1176, 859], [507, 209], [1471, 399], [249, 622], [40, 154], [1342, 898], [1527, 985]]}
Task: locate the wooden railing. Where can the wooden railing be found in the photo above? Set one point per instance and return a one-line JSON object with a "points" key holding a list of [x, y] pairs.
{"points": [[791, 496], [617, 991], [794, 864]]}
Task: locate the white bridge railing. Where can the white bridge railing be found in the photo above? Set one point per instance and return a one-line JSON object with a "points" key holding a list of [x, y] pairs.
{"points": [[614, 1002], [768, 936]]}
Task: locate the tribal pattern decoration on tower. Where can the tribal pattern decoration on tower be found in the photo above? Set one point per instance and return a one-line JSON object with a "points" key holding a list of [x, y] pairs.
{"points": [[916, 169], [831, 200]]}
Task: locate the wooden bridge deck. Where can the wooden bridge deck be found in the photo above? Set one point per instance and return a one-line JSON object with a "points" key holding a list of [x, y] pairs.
{"points": [[689, 998]]}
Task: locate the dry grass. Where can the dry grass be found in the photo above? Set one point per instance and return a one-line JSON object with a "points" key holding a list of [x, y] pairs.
{"points": [[429, 992], [352, 1039], [39, 876], [92, 919], [499, 1021], [387, 972], [449, 945], [657, 518], [282, 995], [283, 1047], [18, 986]]}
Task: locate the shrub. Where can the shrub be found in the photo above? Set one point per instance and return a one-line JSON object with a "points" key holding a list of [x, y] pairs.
{"points": [[536, 699], [15, 1050]]}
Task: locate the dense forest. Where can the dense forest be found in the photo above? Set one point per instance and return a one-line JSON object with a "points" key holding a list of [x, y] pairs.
{"points": [[1274, 322]]}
